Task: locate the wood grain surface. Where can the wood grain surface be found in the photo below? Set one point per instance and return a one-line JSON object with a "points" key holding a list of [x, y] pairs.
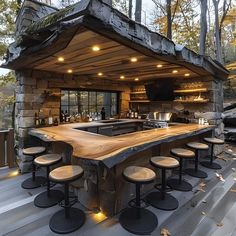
{"points": [[113, 150]]}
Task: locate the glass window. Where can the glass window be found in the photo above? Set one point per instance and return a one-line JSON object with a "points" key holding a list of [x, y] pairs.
{"points": [[89, 102]]}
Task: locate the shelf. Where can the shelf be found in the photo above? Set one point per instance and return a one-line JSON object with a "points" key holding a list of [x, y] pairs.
{"points": [[139, 101], [191, 90], [192, 101], [140, 92]]}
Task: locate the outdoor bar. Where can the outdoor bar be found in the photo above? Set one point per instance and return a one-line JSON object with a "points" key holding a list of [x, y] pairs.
{"points": [[108, 94]]}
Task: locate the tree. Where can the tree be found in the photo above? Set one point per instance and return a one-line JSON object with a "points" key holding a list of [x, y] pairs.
{"points": [[138, 11], [166, 15], [8, 11], [203, 28]]}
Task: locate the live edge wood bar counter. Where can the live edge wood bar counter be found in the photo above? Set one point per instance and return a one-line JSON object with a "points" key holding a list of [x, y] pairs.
{"points": [[103, 158]]}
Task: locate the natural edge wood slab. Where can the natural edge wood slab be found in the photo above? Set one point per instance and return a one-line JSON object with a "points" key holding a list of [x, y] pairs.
{"points": [[114, 150]]}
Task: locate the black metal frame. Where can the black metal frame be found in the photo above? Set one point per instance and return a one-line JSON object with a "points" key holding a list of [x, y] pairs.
{"points": [[211, 164], [92, 90]]}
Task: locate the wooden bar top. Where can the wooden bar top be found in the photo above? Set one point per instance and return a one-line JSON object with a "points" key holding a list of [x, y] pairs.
{"points": [[113, 150]]}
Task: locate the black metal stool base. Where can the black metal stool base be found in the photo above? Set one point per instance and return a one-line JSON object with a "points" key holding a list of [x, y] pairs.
{"points": [[183, 186], [30, 184], [43, 200], [142, 225], [210, 165], [198, 174], [62, 225], [169, 203]]}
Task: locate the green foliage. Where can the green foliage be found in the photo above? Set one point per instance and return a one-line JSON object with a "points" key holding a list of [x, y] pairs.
{"points": [[8, 9]]}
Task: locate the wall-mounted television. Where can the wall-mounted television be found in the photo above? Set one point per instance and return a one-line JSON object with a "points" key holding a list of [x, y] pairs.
{"points": [[160, 90]]}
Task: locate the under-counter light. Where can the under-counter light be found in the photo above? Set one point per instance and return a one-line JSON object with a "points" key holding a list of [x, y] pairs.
{"points": [[96, 48], [174, 71], [136, 79], [100, 74], [60, 59], [186, 74], [69, 71], [134, 59], [122, 77], [159, 65]]}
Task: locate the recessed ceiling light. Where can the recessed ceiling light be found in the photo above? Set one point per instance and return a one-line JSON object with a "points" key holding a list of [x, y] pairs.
{"points": [[96, 48], [69, 71], [60, 59], [136, 79], [159, 65], [122, 77], [174, 71], [134, 59], [186, 74], [100, 74]]}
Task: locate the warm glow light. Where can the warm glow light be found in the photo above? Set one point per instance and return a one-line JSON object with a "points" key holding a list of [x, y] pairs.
{"points": [[159, 65], [134, 59], [14, 173], [122, 77], [187, 74], [136, 79], [99, 217], [96, 48], [69, 71], [60, 59], [100, 74], [174, 71]]}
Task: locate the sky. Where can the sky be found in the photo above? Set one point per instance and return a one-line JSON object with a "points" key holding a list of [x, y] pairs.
{"points": [[147, 6]]}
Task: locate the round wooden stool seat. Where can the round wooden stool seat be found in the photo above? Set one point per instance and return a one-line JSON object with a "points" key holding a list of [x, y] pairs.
{"points": [[161, 199], [48, 159], [164, 162], [214, 140], [137, 174], [197, 145], [66, 173], [182, 153], [34, 181], [34, 150]]}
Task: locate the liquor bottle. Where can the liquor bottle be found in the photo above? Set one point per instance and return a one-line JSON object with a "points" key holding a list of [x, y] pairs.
{"points": [[50, 118], [36, 119]]}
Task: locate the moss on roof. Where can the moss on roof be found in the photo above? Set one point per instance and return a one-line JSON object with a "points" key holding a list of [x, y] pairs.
{"points": [[49, 20]]}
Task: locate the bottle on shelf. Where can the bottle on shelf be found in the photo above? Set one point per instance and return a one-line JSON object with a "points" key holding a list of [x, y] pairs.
{"points": [[50, 118], [36, 119]]}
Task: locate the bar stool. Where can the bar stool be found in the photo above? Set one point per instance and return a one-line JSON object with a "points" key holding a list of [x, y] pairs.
{"points": [[34, 181], [163, 200], [50, 197], [180, 184], [195, 172], [70, 219], [136, 219], [210, 164]]}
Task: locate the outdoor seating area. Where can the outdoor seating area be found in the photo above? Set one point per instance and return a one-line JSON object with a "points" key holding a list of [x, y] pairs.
{"points": [[118, 128], [199, 201]]}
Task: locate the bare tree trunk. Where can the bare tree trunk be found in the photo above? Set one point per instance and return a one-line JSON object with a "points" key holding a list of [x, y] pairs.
{"points": [[169, 19], [138, 11], [203, 30], [130, 8], [217, 32]]}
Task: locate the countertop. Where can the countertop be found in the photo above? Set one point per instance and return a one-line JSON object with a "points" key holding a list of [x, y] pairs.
{"points": [[113, 150]]}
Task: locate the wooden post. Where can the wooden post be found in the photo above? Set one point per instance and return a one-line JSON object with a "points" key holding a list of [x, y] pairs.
{"points": [[10, 148], [2, 148]]}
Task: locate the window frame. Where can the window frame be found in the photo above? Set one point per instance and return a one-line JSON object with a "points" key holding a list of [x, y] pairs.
{"points": [[88, 105]]}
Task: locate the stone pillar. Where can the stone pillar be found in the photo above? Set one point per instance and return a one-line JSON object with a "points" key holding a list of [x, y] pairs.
{"points": [[31, 97]]}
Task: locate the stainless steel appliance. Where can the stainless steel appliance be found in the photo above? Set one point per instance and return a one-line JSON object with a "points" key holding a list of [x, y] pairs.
{"points": [[152, 124]]}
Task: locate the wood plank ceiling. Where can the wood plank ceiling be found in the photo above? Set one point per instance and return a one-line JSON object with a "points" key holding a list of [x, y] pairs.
{"points": [[112, 61]]}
